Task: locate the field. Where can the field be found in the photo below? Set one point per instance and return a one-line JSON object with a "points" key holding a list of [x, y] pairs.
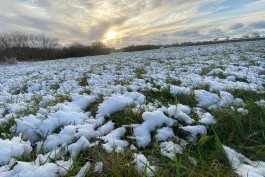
{"points": [[187, 111]]}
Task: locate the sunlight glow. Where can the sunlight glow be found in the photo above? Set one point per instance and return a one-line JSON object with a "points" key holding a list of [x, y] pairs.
{"points": [[111, 35]]}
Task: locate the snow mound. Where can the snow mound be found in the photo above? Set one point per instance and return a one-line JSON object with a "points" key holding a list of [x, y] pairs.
{"points": [[25, 169], [195, 130], [66, 115], [205, 99], [76, 147], [119, 102], [15, 147], [180, 112], [152, 120], [243, 166], [211, 101], [113, 140], [205, 117], [176, 90], [142, 163], [170, 149]]}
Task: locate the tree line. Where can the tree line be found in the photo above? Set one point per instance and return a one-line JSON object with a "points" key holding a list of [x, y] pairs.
{"points": [[253, 37], [16, 46]]}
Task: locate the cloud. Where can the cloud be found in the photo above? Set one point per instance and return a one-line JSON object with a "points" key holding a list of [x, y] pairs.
{"points": [[215, 31], [258, 25], [138, 21], [236, 26], [187, 33]]}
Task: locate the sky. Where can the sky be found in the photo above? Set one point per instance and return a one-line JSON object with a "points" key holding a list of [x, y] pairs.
{"points": [[120, 23]]}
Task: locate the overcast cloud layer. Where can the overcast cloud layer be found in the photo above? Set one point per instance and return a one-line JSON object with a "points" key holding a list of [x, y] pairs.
{"points": [[124, 22]]}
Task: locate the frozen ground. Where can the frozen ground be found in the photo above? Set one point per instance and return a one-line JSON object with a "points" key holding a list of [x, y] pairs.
{"points": [[53, 110]]}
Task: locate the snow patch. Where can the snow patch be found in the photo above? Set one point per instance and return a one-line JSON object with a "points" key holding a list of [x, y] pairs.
{"points": [[243, 166], [142, 164], [152, 120], [15, 147], [170, 149]]}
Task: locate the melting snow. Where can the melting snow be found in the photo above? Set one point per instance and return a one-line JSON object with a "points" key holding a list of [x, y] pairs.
{"points": [[15, 147], [33, 98], [142, 164], [244, 166]]}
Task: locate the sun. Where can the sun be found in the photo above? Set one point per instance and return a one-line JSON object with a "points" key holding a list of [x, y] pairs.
{"points": [[111, 35]]}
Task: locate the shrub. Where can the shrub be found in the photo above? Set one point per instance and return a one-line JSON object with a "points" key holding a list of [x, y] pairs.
{"points": [[8, 60]]}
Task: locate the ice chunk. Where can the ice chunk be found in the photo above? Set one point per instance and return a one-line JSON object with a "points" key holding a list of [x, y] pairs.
{"points": [[113, 140], [170, 149], [114, 104], [184, 117], [82, 101], [27, 127], [205, 99], [242, 111], [67, 116], [76, 147], [206, 118], [231, 78], [98, 167], [176, 90], [82, 172], [172, 110], [184, 108], [142, 163], [216, 71], [65, 137], [195, 130], [164, 133], [152, 120]]}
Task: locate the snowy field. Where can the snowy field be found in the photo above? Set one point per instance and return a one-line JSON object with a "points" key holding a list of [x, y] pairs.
{"points": [[53, 114]]}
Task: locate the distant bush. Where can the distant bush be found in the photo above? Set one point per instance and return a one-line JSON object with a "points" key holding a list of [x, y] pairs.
{"points": [[80, 50], [140, 48], [6, 60]]}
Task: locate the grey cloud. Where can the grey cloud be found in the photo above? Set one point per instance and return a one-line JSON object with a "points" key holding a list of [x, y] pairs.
{"points": [[258, 25], [164, 35], [236, 26], [215, 31], [187, 33]]}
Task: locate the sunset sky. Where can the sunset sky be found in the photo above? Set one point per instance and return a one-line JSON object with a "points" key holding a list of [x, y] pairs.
{"points": [[120, 23]]}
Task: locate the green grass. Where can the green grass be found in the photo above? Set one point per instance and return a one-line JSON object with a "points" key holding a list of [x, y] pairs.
{"points": [[206, 70], [20, 90], [60, 98], [93, 107], [186, 99], [221, 75], [127, 116], [86, 92], [163, 96], [139, 72], [55, 86], [83, 80], [245, 133], [114, 164], [173, 82], [5, 129]]}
